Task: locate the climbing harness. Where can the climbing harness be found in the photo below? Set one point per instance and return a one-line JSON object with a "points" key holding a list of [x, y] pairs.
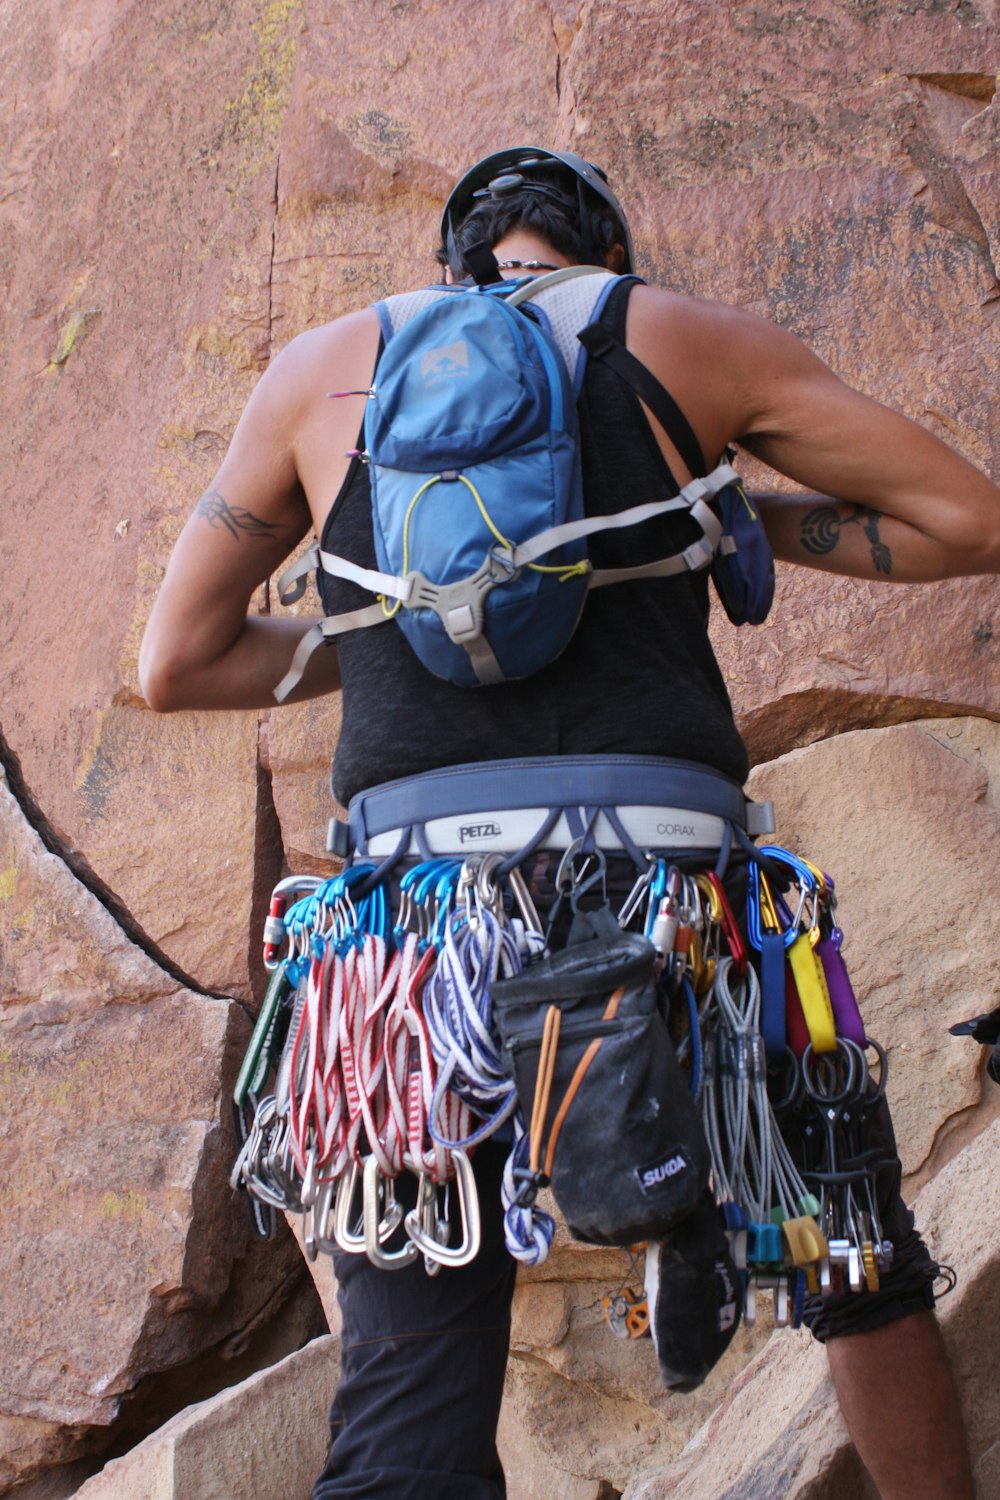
{"points": [[417, 1007]]}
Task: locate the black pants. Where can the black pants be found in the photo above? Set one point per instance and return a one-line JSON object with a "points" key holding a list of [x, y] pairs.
{"points": [[415, 1414]]}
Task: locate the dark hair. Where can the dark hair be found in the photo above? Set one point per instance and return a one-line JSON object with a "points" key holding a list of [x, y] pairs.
{"points": [[555, 218]]}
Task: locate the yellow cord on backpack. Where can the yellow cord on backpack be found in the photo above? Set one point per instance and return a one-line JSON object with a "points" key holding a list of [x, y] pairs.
{"points": [[743, 496], [566, 570]]}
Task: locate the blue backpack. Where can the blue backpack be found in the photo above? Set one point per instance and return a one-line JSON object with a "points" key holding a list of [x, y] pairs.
{"points": [[477, 495]]}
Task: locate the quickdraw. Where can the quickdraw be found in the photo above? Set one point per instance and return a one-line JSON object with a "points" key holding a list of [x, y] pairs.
{"points": [[383, 1061], [375, 1055]]}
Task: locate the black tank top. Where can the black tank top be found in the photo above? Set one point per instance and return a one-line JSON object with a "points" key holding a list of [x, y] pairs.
{"points": [[639, 676]]}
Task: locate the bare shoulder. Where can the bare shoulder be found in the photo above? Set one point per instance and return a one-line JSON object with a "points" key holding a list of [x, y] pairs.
{"points": [[708, 355], [318, 354], [732, 371], [709, 324]]}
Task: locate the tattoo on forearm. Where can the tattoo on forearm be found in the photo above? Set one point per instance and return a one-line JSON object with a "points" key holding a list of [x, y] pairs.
{"points": [[234, 518], [822, 526]]}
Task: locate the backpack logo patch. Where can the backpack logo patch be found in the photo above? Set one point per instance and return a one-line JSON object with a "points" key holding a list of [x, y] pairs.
{"points": [[651, 1177], [448, 363]]}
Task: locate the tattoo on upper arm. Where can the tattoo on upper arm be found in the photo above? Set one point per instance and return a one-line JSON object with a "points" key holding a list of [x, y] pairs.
{"points": [[821, 528], [213, 507]]}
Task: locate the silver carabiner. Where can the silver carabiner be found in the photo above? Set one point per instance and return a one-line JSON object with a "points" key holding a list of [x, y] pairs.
{"points": [[635, 896], [382, 1215], [348, 1238], [317, 1232], [522, 900], [468, 1207], [309, 1187]]}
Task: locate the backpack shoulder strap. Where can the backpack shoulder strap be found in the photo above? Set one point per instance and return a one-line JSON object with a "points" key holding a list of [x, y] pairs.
{"points": [[395, 312], [601, 343], [571, 298]]}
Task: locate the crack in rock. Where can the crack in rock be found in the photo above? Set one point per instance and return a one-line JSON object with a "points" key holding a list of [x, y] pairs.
{"points": [[979, 86], [80, 868]]}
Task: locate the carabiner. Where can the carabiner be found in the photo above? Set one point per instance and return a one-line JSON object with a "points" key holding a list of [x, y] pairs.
{"points": [[468, 1207], [351, 1239], [728, 923], [633, 900], [382, 1216]]}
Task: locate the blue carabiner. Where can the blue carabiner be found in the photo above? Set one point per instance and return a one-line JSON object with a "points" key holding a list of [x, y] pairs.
{"points": [[657, 890], [444, 901]]}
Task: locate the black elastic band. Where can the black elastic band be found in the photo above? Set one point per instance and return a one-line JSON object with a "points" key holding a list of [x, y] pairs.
{"points": [[480, 260], [600, 343]]}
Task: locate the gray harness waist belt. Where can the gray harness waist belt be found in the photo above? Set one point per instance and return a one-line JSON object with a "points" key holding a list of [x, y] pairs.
{"points": [[630, 803]]}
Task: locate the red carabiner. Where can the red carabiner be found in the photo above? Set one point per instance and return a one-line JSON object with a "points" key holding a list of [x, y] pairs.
{"points": [[730, 927]]}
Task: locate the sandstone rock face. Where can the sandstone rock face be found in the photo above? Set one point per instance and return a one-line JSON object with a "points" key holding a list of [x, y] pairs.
{"points": [[135, 202], [121, 1236], [265, 1437], [183, 189], [959, 1208]]}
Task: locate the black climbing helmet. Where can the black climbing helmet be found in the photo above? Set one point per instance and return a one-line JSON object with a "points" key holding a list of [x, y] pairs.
{"points": [[510, 172]]}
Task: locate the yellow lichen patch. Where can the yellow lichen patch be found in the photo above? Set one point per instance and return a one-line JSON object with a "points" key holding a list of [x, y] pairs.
{"points": [[72, 335], [258, 112], [209, 340], [129, 1206], [22, 922], [59, 1094], [8, 878]]}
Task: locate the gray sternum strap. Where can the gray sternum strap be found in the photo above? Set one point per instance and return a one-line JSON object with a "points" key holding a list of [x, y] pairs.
{"points": [[693, 498], [459, 607]]}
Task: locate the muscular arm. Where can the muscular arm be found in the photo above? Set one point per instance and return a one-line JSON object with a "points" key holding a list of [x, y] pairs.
{"points": [[202, 649], [894, 503], [888, 501]]}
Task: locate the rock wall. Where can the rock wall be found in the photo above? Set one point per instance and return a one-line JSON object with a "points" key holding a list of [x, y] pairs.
{"points": [[184, 187]]}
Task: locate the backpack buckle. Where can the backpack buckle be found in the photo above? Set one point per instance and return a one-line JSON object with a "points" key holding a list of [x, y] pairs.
{"points": [[460, 606]]}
